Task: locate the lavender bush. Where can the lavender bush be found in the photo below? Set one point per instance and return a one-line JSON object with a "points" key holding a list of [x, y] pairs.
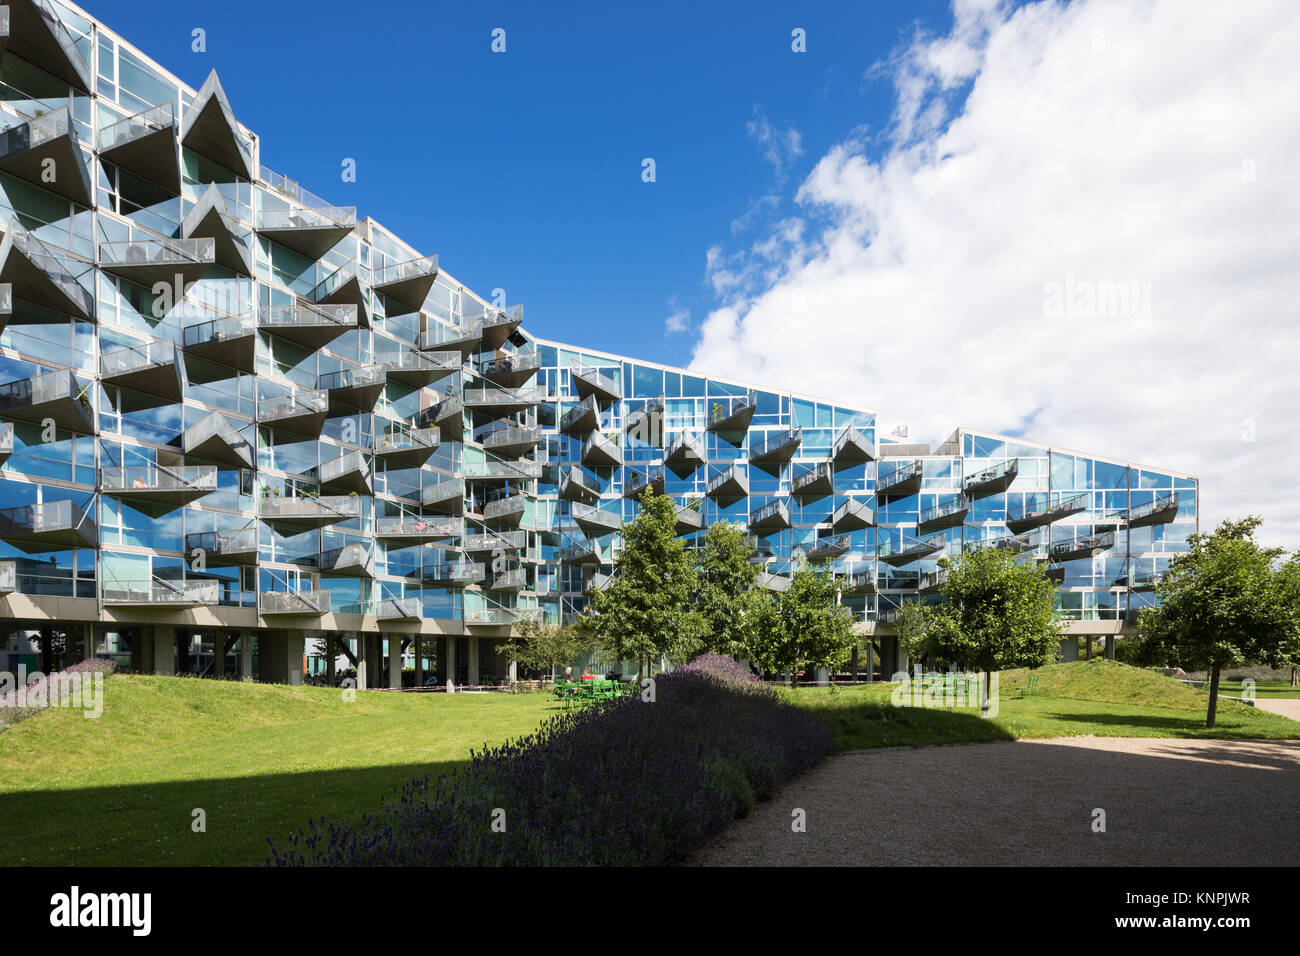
{"points": [[723, 668], [11, 713], [626, 784]]}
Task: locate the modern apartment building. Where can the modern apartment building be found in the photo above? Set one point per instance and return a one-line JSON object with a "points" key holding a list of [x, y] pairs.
{"points": [[236, 421]]}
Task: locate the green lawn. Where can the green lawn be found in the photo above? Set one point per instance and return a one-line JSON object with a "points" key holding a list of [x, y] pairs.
{"points": [[1263, 688], [1099, 697], [259, 759]]}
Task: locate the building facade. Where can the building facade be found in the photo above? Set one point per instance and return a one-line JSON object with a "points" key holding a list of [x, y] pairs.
{"points": [[237, 421]]}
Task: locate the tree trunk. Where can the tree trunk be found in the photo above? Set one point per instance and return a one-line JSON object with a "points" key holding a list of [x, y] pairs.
{"points": [[794, 678], [1295, 677], [1214, 697], [855, 665], [984, 696]]}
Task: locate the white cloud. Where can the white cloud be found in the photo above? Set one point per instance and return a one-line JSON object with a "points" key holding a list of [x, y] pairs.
{"points": [[680, 318], [1147, 145]]}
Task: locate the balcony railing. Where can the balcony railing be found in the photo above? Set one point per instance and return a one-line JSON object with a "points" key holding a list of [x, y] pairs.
{"points": [[294, 602], [493, 541], [491, 616], [600, 450], [729, 482], [326, 509], [819, 480], [830, 548], [135, 358], [418, 526], [992, 480], [732, 413], [774, 514], [56, 523], [297, 403], [510, 508], [583, 417], [159, 478], [576, 484], [157, 256], [156, 119], [359, 377], [162, 591], [453, 573], [232, 545], [35, 398], [592, 380], [904, 480], [591, 518], [1039, 510], [1081, 547], [853, 446], [296, 217], [685, 449], [852, 514], [306, 315], [52, 274], [945, 514], [399, 609], [1162, 509], [502, 470], [906, 549], [636, 482], [776, 445]]}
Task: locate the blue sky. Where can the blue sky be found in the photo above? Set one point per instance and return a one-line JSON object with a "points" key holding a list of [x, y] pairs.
{"points": [[527, 164]]}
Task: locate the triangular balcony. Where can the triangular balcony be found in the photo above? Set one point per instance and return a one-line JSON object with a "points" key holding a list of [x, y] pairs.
{"points": [[511, 371], [150, 368], [635, 483], [212, 438], [994, 479], [511, 441], [6, 441], [464, 339], [45, 151], [209, 127], [221, 548], [165, 592], [582, 418], [508, 579], [293, 603], [685, 452], [509, 510], [407, 609], [6, 304], [301, 413], [350, 471], [344, 286], [646, 422], [771, 517], [946, 514], [591, 380], [146, 145], [407, 283], [733, 413], [230, 340], [577, 485], [38, 35], [1038, 510], [357, 388], [308, 231], [1162, 510], [853, 447], [768, 581], [455, 574], [295, 512], [776, 448], [49, 526], [853, 514], [40, 274], [406, 447], [53, 395], [420, 369], [860, 582], [688, 520], [350, 560], [907, 549], [211, 219], [580, 553], [600, 451], [446, 496], [828, 549], [814, 483], [447, 415], [158, 489], [501, 402], [904, 480], [595, 521], [150, 261], [403, 530], [494, 542], [1086, 546], [309, 325], [495, 326], [728, 484]]}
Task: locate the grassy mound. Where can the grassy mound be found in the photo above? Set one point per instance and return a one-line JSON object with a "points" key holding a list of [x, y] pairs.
{"points": [[1109, 682]]}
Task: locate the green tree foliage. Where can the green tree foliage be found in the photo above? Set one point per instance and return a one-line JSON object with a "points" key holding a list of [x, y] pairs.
{"points": [[1222, 605], [802, 626], [543, 647], [724, 592], [1288, 579], [997, 613], [646, 613]]}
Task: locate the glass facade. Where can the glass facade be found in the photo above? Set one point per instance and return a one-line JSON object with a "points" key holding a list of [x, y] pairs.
{"points": [[222, 394]]}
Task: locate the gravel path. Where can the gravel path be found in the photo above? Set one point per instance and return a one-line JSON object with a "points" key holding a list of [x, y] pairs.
{"points": [[1031, 803], [1286, 706]]}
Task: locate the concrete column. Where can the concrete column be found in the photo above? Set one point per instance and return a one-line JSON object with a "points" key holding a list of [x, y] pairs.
{"points": [[245, 654], [1110, 647], [1087, 654], [394, 662], [1070, 649], [871, 660], [295, 648], [473, 676], [419, 661], [330, 653], [822, 675], [362, 664], [447, 666], [159, 650], [900, 657]]}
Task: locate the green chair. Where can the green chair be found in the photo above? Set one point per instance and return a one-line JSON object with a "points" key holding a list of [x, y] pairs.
{"points": [[1020, 693]]}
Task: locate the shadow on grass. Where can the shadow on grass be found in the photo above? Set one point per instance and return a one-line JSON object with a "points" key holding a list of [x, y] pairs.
{"points": [[152, 824], [861, 725]]}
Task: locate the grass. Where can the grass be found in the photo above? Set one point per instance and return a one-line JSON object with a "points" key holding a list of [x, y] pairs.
{"points": [[1099, 698], [258, 759], [1277, 689]]}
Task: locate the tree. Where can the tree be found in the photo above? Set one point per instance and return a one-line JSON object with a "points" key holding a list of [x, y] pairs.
{"points": [[997, 613], [724, 589], [1288, 579], [802, 626], [1221, 604], [912, 621], [543, 646], [646, 612]]}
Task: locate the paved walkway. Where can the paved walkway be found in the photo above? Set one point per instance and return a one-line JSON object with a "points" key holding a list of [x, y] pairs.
{"points": [[1031, 803], [1286, 706]]}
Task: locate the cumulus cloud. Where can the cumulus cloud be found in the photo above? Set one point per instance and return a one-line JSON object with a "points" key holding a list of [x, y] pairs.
{"points": [[680, 318], [1081, 226]]}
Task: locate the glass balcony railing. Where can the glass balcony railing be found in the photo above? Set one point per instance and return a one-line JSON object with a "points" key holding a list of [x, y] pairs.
{"points": [[817, 480], [730, 481], [231, 545], [294, 602], [516, 470], [1081, 547], [905, 479], [686, 448], [223, 329], [156, 119], [34, 398], [506, 509], [57, 523], [575, 484], [162, 591], [295, 217], [495, 541], [491, 616], [583, 417], [159, 478], [945, 514], [769, 581], [993, 479], [297, 403], [589, 517], [400, 609], [418, 526], [395, 441], [599, 450], [774, 514], [1162, 509], [74, 68], [453, 573], [209, 127], [635, 483], [509, 579], [443, 490], [593, 380], [852, 514], [136, 358], [511, 366], [853, 446], [52, 273], [1040, 510], [301, 315], [326, 509], [826, 548], [157, 255], [360, 377], [503, 397], [907, 549], [773, 445], [733, 412]]}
